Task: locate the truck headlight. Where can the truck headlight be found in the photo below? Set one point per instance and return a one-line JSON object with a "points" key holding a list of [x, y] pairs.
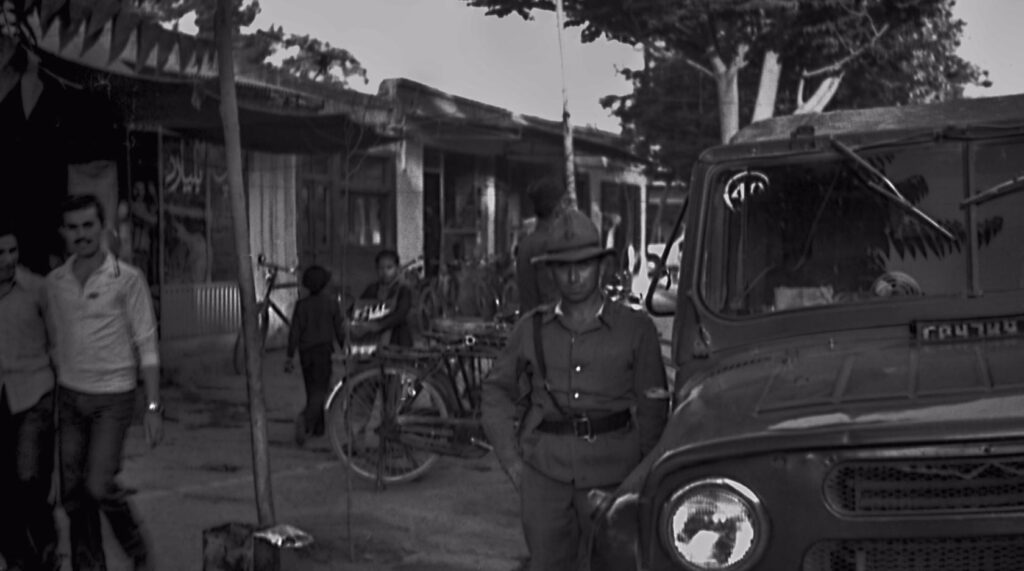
{"points": [[714, 523]]}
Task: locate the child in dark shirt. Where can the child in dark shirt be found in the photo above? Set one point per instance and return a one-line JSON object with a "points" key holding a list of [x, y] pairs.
{"points": [[316, 323]]}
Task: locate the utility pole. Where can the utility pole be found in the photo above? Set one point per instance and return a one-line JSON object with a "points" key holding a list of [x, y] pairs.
{"points": [[246, 287], [570, 162]]}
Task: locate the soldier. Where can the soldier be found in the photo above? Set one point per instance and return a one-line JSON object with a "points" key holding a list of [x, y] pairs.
{"points": [[575, 400]]}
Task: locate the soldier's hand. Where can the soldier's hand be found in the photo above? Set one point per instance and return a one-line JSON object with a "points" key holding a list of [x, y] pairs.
{"points": [[154, 426], [289, 365], [515, 474]]}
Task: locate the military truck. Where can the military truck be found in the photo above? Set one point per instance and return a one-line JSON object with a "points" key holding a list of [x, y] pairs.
{"points": [[849, 341]]}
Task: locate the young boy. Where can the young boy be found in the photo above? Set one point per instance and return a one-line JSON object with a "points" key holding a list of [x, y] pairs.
{"points": [[316, 323], [388, 288]]}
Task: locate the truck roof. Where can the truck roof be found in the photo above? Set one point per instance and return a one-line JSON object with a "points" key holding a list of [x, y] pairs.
{"points": [[1005, 111]]}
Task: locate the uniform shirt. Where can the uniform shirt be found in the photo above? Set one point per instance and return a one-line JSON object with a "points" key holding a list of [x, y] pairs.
{"points": [[25, 371], [612, 366], [316, 323], [101, 326], [536, 286]]}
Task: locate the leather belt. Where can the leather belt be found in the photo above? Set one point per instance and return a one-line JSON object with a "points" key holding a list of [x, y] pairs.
{"points": [[585, 426]]}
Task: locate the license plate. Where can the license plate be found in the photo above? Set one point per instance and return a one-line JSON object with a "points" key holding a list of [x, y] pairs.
{"points": [[969, 329]]}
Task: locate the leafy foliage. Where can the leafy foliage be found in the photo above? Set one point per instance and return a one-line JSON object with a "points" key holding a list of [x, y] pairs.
{"points": [[878, 52], [309, 58]]}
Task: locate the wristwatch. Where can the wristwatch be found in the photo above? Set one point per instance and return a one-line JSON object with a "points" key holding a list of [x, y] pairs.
{"points": [[155, 406]]}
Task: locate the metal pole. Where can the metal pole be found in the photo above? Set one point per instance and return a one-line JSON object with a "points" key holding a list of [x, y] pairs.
{"points": [[570, 163], [246, 285]]}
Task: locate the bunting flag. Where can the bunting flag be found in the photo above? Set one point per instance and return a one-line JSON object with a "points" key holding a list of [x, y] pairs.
{"points": [[125, 23], [71, 23], [48, 10], [146, 35], [90, 20], [186, 49], [166, 40]]}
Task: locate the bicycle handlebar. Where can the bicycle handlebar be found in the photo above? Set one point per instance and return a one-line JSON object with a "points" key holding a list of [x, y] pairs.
{"points": [[262, 261]]}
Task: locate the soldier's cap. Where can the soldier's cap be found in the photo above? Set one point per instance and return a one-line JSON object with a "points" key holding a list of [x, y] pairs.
{"points": [[572, 237]]}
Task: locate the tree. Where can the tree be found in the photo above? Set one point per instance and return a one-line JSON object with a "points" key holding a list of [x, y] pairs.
{"points": [[801, 50], [667, 114], [309, 59]]}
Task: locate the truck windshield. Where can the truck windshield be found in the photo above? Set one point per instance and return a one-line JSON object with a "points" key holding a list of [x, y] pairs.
{"points": [[806, 231]]}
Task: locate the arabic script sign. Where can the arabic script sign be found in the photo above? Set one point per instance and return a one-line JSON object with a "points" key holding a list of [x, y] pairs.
{"points": [[969, 329]]}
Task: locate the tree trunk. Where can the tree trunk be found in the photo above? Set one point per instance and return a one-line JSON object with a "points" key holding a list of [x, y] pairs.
{"points": [[570, 161], [246, 286], [727, 84], [768, 88], [822, 96]]}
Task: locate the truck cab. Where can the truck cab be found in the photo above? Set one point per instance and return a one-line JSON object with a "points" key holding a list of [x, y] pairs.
{"points": [[848, 336]]}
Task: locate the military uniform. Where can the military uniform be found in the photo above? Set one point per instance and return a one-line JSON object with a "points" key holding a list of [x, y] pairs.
{"points": [[581, 415]]}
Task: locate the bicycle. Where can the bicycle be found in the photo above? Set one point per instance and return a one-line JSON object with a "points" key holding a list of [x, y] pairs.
{"points": [[392, 420], [263, 308]]}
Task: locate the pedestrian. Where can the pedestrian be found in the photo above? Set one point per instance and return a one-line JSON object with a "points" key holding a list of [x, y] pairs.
{"points": [[575, 400], [536, 286], [391, 327], [316, 324], [105, 338], [28, 540]]}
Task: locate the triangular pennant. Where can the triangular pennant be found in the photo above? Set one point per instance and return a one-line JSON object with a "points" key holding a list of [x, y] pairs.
{"points": [[100, 12], [31, 86], [91, 39], [166, 41], [7, 48], [8, 79], [125, 22], [48, 10], [71, 22], [186, 49], [148, 34]]}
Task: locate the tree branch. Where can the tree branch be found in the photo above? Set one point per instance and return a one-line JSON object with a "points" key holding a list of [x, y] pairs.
{"points": [[837, 66]]}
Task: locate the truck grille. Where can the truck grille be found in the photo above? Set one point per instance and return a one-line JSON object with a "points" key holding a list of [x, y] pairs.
{"points": [[999, 553], [926, 486]]}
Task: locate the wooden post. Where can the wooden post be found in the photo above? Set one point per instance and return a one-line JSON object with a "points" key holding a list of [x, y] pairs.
{"points": [[570, 162], [246, 285]]}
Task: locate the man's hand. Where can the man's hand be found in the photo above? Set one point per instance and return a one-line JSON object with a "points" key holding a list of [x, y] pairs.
{"points": [[154, 426], [289, 365]]}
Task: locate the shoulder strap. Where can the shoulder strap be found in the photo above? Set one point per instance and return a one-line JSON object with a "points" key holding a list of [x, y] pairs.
{"points": [[542, 368], [538, 346]]}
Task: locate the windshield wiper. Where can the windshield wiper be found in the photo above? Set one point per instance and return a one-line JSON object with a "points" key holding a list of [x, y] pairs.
{"points": [[885, 187], [1007, 187]]}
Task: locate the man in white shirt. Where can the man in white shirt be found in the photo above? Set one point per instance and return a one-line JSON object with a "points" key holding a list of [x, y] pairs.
{"points": [[105, 335], [28, 540]]}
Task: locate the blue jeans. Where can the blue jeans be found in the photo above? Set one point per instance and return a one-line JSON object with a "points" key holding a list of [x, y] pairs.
{"points": [[26, 460], [92, 430]]}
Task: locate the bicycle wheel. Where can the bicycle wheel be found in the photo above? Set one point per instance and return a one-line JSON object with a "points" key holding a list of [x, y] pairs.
{"points": [[238, 356], [378, 439]]}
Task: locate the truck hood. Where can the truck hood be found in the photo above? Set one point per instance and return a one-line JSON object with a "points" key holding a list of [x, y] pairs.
{"points": [[835, 387]]}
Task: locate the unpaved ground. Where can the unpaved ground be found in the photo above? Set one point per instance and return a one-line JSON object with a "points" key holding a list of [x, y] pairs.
{"points": [[462, 515]]}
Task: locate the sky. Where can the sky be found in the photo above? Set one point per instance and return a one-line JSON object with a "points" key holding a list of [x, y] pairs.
{"points": [[514, 64]]}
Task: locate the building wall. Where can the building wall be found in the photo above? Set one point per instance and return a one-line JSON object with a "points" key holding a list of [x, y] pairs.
{"points": [[271, 185]]}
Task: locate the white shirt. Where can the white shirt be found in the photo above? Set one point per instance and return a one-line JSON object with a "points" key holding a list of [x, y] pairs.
{"points": [[104, 329]]}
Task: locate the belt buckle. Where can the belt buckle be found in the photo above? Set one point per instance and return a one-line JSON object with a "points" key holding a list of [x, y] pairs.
{"points": [[582, 428]]}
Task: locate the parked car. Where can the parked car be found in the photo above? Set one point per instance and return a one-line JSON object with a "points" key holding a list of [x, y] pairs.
{"points": [[848, 343]]}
